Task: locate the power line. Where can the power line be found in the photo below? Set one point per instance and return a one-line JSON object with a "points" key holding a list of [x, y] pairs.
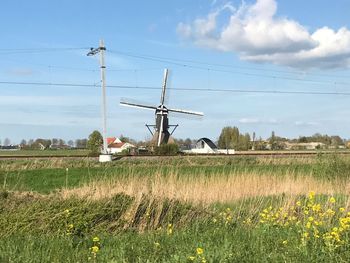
{"points": [[37, 50], [178, 89], [182, 62]]}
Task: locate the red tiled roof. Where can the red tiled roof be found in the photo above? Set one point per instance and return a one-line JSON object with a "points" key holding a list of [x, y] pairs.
{"points": [[116, 145], [110, 140]]}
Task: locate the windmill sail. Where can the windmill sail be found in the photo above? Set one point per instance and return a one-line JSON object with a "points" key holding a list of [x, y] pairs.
{"points": [[137, 105], [161, 134], [187, 112]]}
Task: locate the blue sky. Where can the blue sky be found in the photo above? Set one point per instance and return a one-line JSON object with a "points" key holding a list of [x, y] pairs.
{"points": [[268, 44]]}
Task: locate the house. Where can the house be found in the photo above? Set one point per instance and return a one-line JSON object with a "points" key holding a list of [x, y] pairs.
{"points": [[207, 146], [305, 146], [10, 148], [117, 146]]}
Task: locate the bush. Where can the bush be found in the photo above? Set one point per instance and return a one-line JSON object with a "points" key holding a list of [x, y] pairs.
{"points": [[167, 149]]}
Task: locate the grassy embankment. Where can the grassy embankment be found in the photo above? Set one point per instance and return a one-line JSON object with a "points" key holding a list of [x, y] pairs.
{"points": [[175, 210]]}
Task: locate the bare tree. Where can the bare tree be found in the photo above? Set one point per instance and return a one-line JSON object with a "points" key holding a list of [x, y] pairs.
{"points": [[7, 142], [70, 143]]}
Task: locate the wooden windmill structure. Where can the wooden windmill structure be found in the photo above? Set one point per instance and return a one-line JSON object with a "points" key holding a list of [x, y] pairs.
{"points": [[161, 134]]}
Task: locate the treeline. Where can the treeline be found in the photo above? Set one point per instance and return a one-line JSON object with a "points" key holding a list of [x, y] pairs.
{"points": [[55, 143], [231, 138]]}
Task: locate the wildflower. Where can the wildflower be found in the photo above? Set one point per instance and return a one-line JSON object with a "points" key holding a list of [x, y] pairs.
{"points": [[298, 203], [285, 242], [341, 209], [330, 212], [200, 251], [96, 239], [311, 195], [332, 200], [306, 234], [191, 258], [170, 229], [316, 208], [156, 244], [95, 249]]}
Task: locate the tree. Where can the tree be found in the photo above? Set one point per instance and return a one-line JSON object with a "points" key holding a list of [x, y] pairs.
{"points": [[7, 142], [253, 146], [230, 138], [81, 143], [273, 141], [95, 142], [23, 142], [70, 143], [61, 142]]}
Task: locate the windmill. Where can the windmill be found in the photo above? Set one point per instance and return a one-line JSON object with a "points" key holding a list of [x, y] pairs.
{"points": [[161, 134]]}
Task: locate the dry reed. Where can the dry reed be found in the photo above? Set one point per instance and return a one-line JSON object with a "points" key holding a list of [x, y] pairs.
{"points": [[208, 189]]}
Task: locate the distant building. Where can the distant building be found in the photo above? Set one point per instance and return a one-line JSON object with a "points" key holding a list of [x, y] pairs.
{"points": [[305, 146], [9, 148], [207, 146], [117, 146], [56, 147]]}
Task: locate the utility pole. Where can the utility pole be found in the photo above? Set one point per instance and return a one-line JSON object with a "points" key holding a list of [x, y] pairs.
{"points": [[104, 157]]}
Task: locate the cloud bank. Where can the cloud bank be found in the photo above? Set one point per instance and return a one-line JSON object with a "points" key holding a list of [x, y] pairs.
{"points": [[256, 34]]}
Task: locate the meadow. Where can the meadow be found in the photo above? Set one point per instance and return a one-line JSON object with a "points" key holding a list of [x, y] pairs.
{"points": [[176, 209]]}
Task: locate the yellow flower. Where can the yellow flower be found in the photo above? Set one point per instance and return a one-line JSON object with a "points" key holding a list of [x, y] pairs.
{"points": [[311, 195], [298, 203], [96, 239], [191, 258], [341, 209], [332, 200], [306, 234], [157, 244], [285, 242], [200, 251], [95, 249], [71, 226], [330, 212]]}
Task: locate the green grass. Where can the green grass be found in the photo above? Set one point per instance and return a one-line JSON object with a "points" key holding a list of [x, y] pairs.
{"points": [[34, 229], [45, 176], [42, 226]]}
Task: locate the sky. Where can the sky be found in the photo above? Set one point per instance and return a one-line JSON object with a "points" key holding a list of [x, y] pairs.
{"points": [[212, 45]]}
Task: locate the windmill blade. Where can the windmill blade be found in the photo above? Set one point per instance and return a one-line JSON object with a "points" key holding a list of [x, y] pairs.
{"points": [[165, 79], [160, 132], [137, 105], [197, 113]]}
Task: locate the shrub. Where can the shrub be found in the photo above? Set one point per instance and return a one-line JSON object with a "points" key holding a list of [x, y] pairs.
{"points": [[167, 149]]}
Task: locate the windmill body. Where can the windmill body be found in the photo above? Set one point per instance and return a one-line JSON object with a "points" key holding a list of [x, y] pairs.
{"points": [[161, 134]]}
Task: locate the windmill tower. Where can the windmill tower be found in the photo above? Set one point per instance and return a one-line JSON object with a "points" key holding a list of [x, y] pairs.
{"points": [[161, 134]]}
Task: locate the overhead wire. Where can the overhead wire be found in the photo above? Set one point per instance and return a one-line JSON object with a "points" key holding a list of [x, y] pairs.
{"points": [[178, 89], [183, 63]]}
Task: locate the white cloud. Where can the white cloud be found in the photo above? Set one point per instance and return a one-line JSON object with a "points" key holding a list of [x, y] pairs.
{"points": [[258, 35]]}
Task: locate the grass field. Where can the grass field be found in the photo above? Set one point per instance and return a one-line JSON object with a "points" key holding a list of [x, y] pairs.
{"points": [[178, 209]]}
